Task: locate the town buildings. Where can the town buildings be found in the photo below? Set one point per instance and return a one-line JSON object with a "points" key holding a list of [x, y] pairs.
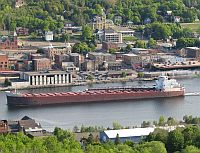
{"points": [[26, 125], [51, 51]]}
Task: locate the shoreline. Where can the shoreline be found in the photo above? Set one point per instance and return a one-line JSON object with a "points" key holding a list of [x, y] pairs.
{"points": [[93, 82]]}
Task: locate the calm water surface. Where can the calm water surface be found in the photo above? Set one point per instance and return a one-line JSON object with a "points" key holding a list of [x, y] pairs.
{"points": [[103, 114]]}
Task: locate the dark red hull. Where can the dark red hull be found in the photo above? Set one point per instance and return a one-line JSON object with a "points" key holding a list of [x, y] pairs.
{"points": [[89, 96]]}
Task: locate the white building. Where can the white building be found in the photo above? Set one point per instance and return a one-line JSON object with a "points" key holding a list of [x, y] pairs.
{"points": [[49, 36], [135, 134], [47, 78]]}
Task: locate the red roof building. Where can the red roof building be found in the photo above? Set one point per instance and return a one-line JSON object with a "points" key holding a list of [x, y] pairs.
{"points": [[8, 43]]}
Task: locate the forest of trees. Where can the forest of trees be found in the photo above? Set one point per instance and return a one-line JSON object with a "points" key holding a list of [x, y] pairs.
{"points": [[49, 14], [181, 140]]}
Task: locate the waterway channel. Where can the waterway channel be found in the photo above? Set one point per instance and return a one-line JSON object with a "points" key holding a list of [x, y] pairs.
{"points": [[128, 113]]}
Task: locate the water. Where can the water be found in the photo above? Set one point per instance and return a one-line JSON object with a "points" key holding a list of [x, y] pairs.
{"points": [[104, 114]]}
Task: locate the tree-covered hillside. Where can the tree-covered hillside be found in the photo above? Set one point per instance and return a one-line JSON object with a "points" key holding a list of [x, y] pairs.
{"points": [[48, 14]]}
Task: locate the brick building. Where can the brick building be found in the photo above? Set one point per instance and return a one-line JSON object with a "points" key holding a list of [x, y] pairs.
{"points": [[51, 51], [41, 64], [192, 52], [99, 58], [8, 42], [3, 62], [130, 59], [109, 45]]}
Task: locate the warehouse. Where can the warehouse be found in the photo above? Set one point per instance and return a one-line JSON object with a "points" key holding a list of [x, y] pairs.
{"points": [[135, 135]]}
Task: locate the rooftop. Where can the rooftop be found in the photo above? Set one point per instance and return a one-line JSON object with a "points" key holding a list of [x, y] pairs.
{"points": [[74, 54], [109, 31], [194, 48], [129, 132], [100, 54], [131, 55], [41, 59], [46, 73]]}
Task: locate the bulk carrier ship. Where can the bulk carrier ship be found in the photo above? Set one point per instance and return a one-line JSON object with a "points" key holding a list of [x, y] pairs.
{"points": [[164, 87]]}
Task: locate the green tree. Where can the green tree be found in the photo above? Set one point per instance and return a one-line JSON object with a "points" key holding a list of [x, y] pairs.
{"points": [[158, 135], [87, 33], [151, 147], [98, 9], [140, 75], [151, 43], [90, 138], [191, 149], [158, 31], [90, 77], [65, 37], [161, 121], [81, 48], [190, 135], [145, 124], [13, 26], [75, 129], [112, 50], [124, 74], [117, 126], [117, 139], [175, 141], [140, 44]]}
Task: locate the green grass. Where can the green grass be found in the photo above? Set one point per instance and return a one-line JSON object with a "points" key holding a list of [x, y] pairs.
{"points": [[195, 27], [129, 38]]}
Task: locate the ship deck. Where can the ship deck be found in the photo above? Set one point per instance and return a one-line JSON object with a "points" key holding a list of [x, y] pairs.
{"points": [[90, 92]]}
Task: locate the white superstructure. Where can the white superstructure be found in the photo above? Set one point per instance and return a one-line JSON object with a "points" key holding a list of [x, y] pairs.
{"points": [[164, 83]]}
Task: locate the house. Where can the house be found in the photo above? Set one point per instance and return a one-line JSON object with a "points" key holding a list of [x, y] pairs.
{"points": [[135, 135], [147, 21], [49, 35], [19, 3], [22, 31], [3, 126], [27, 124], [177, 19], [69, 24]]}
